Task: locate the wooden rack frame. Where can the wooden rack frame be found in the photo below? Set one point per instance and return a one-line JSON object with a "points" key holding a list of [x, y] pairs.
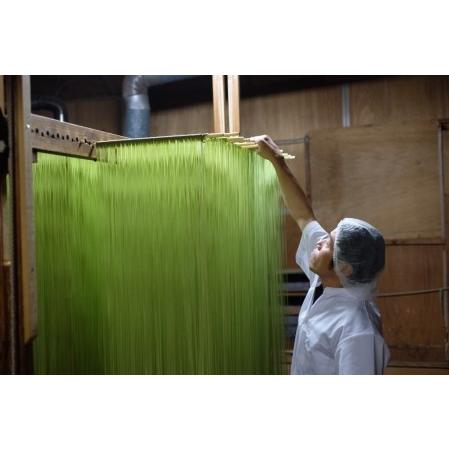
{"points": [[27, 135], [66, 139]]}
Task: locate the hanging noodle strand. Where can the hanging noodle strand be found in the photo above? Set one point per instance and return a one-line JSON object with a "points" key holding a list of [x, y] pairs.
{"points": [[162, 257]]}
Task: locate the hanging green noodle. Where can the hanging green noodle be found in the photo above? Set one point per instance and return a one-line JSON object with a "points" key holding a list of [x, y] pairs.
{"points": [[162, 257]]}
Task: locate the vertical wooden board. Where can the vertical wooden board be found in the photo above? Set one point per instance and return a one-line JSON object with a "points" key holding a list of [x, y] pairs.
{"points": [[399, 99], [386, 175], [413, 325], [292, 114], [97, 113], [187, 120]]}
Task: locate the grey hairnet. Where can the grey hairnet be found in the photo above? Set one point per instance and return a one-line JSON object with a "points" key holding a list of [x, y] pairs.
{"points": [[362, 246]]}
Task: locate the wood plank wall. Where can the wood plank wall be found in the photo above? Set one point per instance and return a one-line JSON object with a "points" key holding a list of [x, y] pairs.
{"points": [[98, 113], [399, 99], [387, 175], [413, 326]]}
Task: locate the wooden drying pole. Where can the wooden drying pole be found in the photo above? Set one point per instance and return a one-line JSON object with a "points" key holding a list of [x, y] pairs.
{"points": [[234, 103], [218, 90], [218, 94]]}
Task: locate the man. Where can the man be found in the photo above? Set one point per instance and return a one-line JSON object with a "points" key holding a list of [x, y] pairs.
{"points": [[339, 329]]}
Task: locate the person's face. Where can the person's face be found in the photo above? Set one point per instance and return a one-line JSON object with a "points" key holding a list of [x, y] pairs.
{"points": [[321, 258]]}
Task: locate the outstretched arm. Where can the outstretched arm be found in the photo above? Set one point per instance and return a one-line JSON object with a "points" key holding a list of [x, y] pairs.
{"points": [[292, 193]]}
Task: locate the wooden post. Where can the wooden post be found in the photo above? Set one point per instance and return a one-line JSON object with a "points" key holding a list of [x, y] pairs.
{"points": [[24, 255], [234, 103], [219, 103]]}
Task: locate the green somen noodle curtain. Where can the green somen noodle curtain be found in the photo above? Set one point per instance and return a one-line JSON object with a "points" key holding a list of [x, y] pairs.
{"points": [[163, 257]]}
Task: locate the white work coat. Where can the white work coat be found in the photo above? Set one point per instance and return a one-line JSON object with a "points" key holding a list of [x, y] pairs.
{"points": [[339, 333]]}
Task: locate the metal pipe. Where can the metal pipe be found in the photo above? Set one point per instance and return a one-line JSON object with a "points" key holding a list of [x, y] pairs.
{"points": [[346, 114], [56, 106], [136, 117]]}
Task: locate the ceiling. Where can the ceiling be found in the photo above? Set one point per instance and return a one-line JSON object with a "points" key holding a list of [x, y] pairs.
{"points": [[179, 93]]}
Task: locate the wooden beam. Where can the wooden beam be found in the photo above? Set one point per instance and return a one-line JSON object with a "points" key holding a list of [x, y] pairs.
{"points": [[234, 103], [52, 136], [218, 92]]}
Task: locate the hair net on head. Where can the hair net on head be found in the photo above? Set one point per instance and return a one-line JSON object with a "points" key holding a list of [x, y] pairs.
{"points": [[361, 246]]}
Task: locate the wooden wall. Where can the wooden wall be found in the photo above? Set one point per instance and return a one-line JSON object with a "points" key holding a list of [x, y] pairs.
{"points": [[289, 115], [98, 113], [399, 99], [387, 175], [413, 325]]}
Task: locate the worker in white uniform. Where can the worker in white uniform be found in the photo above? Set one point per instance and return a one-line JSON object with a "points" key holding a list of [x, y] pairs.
{"points": [[339, 327]]}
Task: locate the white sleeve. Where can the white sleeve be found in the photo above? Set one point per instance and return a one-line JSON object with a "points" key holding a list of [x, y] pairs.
{"points": [[357, 355], [311, 234]]}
